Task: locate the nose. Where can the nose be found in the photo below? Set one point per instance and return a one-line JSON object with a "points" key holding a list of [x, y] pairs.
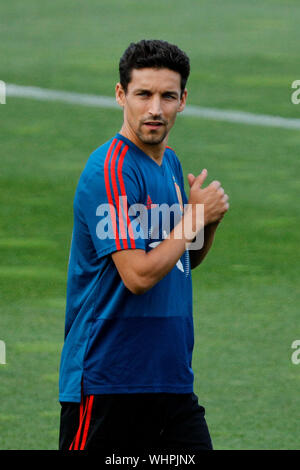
{"points": [[155, 106]]}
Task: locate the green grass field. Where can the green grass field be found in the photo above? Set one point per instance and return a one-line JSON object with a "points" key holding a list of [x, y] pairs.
{"points": [[244, 56]]}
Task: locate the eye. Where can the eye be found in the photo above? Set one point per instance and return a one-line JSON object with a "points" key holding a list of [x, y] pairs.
{"points": [[169, 96], [143, 93]]}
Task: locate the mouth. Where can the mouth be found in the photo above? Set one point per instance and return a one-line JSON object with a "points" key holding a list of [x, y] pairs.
{"points": [[153, 124]]}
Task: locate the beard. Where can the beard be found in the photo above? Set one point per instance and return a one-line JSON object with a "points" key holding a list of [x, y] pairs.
{"points": [[152, 137]]}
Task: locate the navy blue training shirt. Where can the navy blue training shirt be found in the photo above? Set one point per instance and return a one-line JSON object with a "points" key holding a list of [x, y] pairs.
{"points": [[116, 341]]}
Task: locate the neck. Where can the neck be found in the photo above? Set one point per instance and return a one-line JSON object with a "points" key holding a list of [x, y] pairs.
{"points": [[156, 151]]}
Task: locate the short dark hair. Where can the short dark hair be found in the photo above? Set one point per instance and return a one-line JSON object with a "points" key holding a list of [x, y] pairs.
{"points": [[155, 54]]}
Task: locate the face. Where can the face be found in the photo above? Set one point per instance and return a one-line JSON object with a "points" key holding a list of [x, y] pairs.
{"points": [[151, 104]]}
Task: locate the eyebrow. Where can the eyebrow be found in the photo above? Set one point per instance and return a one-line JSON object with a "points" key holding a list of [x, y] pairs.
{"points": [[167, 92]]}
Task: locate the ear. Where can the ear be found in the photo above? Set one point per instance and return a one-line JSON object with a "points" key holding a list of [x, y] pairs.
{"points": [[120, 94], [182, 101]]}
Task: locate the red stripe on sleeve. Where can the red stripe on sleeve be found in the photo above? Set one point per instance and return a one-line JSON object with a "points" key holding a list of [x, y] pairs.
{"points": [[123, 193], [116, 192], [124, 212], [109, 195]]}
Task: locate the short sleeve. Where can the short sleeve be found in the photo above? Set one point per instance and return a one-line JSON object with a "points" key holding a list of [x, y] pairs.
{"points": [[105, 200]]}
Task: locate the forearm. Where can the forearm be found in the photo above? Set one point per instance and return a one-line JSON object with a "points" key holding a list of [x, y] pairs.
{"points": [[145, 269]]}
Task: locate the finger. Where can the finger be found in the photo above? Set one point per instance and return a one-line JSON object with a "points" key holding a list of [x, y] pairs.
{"points": [[215, 184], [191, 179]]}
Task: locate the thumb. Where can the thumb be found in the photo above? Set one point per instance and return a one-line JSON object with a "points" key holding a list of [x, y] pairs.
{"points": [[199, 180]]}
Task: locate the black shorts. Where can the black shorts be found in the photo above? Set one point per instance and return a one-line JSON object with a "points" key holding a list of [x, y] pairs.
{"points": [[147, 421]]}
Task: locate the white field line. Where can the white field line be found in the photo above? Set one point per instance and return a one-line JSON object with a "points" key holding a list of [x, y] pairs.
{"points": [[239, 117]]}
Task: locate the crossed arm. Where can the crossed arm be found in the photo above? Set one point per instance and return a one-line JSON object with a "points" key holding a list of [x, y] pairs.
{"points": [[140, 270]]}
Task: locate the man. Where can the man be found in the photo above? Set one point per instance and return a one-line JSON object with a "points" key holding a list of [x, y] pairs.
{"points": [[126, 378]]}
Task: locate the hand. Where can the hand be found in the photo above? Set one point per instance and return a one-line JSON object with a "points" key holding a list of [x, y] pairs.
{"points": [[213, 197]]}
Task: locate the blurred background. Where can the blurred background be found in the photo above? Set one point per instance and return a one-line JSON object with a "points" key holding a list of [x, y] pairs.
{"points": [[244, 57]]}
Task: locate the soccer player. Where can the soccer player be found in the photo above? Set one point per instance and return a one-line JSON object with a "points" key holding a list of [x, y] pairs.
{"points": [[126, 378]]}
